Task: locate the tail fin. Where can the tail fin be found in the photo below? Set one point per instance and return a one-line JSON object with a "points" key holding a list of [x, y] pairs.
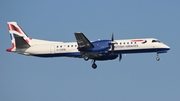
{"points": [[18, 37]]}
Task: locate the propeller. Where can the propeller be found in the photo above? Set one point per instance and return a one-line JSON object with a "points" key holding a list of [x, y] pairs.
{"points": [[112, 43], [112, 38], [120, 57]]}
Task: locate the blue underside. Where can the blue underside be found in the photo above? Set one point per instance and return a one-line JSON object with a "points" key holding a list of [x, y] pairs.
{"points": [[78, 55]]}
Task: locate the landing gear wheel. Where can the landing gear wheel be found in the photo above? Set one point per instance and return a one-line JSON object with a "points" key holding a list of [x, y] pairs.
{"points": [[94, 66], [86, 58], [157, 58]]}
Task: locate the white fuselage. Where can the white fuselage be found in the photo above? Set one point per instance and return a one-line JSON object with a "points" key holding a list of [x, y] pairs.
{"points": [[44, 48]]}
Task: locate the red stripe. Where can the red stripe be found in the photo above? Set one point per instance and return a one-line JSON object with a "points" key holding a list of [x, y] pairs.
{"points": [[137, 40], [27, 40], [18, 30], [15, 29], [12, 28], [8, 26], [10, 49]]}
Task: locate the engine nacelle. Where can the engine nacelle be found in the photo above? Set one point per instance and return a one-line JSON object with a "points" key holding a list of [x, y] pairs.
{"points": [[106, 57], [100, 45]]}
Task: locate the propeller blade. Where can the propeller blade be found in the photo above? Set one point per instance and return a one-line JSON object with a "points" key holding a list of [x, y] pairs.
{"points": [[120, 57], [112, 48], [112, 43], [112, 39]]}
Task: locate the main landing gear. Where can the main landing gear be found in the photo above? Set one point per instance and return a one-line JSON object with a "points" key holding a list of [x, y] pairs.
{"points": [[86, 58], [157, 58], [94, 66]]}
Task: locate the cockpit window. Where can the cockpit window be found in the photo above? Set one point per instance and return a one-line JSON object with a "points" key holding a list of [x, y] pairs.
{"points": [[153, 41]]}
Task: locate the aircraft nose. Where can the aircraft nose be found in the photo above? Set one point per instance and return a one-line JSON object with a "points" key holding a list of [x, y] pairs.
{"points": [[167, 47]]}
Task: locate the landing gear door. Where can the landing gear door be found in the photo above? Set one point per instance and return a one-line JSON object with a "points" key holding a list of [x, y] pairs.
{"points": [[52, 49]]}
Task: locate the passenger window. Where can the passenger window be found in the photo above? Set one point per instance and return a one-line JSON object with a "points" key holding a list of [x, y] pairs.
{"points": [[71, 45], [124, 43], [120, 43], [127, 42], [131, 42]]}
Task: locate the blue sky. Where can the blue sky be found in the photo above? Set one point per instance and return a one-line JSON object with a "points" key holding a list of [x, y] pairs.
{"points": [[138, 77]]}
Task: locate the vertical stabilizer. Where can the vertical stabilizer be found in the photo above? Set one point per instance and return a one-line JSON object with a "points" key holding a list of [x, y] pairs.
{"points": [[18, 37]]}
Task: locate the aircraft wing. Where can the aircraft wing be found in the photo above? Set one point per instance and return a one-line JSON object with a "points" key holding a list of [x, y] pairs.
{"points": [[82, 41]]}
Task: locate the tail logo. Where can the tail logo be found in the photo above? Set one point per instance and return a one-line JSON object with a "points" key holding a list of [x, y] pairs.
{"points": [[18, 37], [14, 28]]}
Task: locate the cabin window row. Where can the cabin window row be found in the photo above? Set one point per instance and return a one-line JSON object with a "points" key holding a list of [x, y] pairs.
{"points": [[76, 45], [127, 43], [66, 46]]}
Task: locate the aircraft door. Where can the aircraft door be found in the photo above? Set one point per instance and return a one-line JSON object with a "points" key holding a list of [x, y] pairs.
{"points": [[52, 49]]}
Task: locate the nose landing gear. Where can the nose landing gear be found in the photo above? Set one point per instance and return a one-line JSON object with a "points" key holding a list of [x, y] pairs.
{"points": [[157, 58]]}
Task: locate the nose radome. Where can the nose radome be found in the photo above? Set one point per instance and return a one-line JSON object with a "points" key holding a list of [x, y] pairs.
{"points": [[167, 47]]}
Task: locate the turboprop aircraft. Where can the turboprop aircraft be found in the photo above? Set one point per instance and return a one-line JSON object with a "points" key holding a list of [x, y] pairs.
{"points": [[99, 50]]}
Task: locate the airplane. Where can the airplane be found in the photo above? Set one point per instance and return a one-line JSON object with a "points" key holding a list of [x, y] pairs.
{"points": [[99, 50]]}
